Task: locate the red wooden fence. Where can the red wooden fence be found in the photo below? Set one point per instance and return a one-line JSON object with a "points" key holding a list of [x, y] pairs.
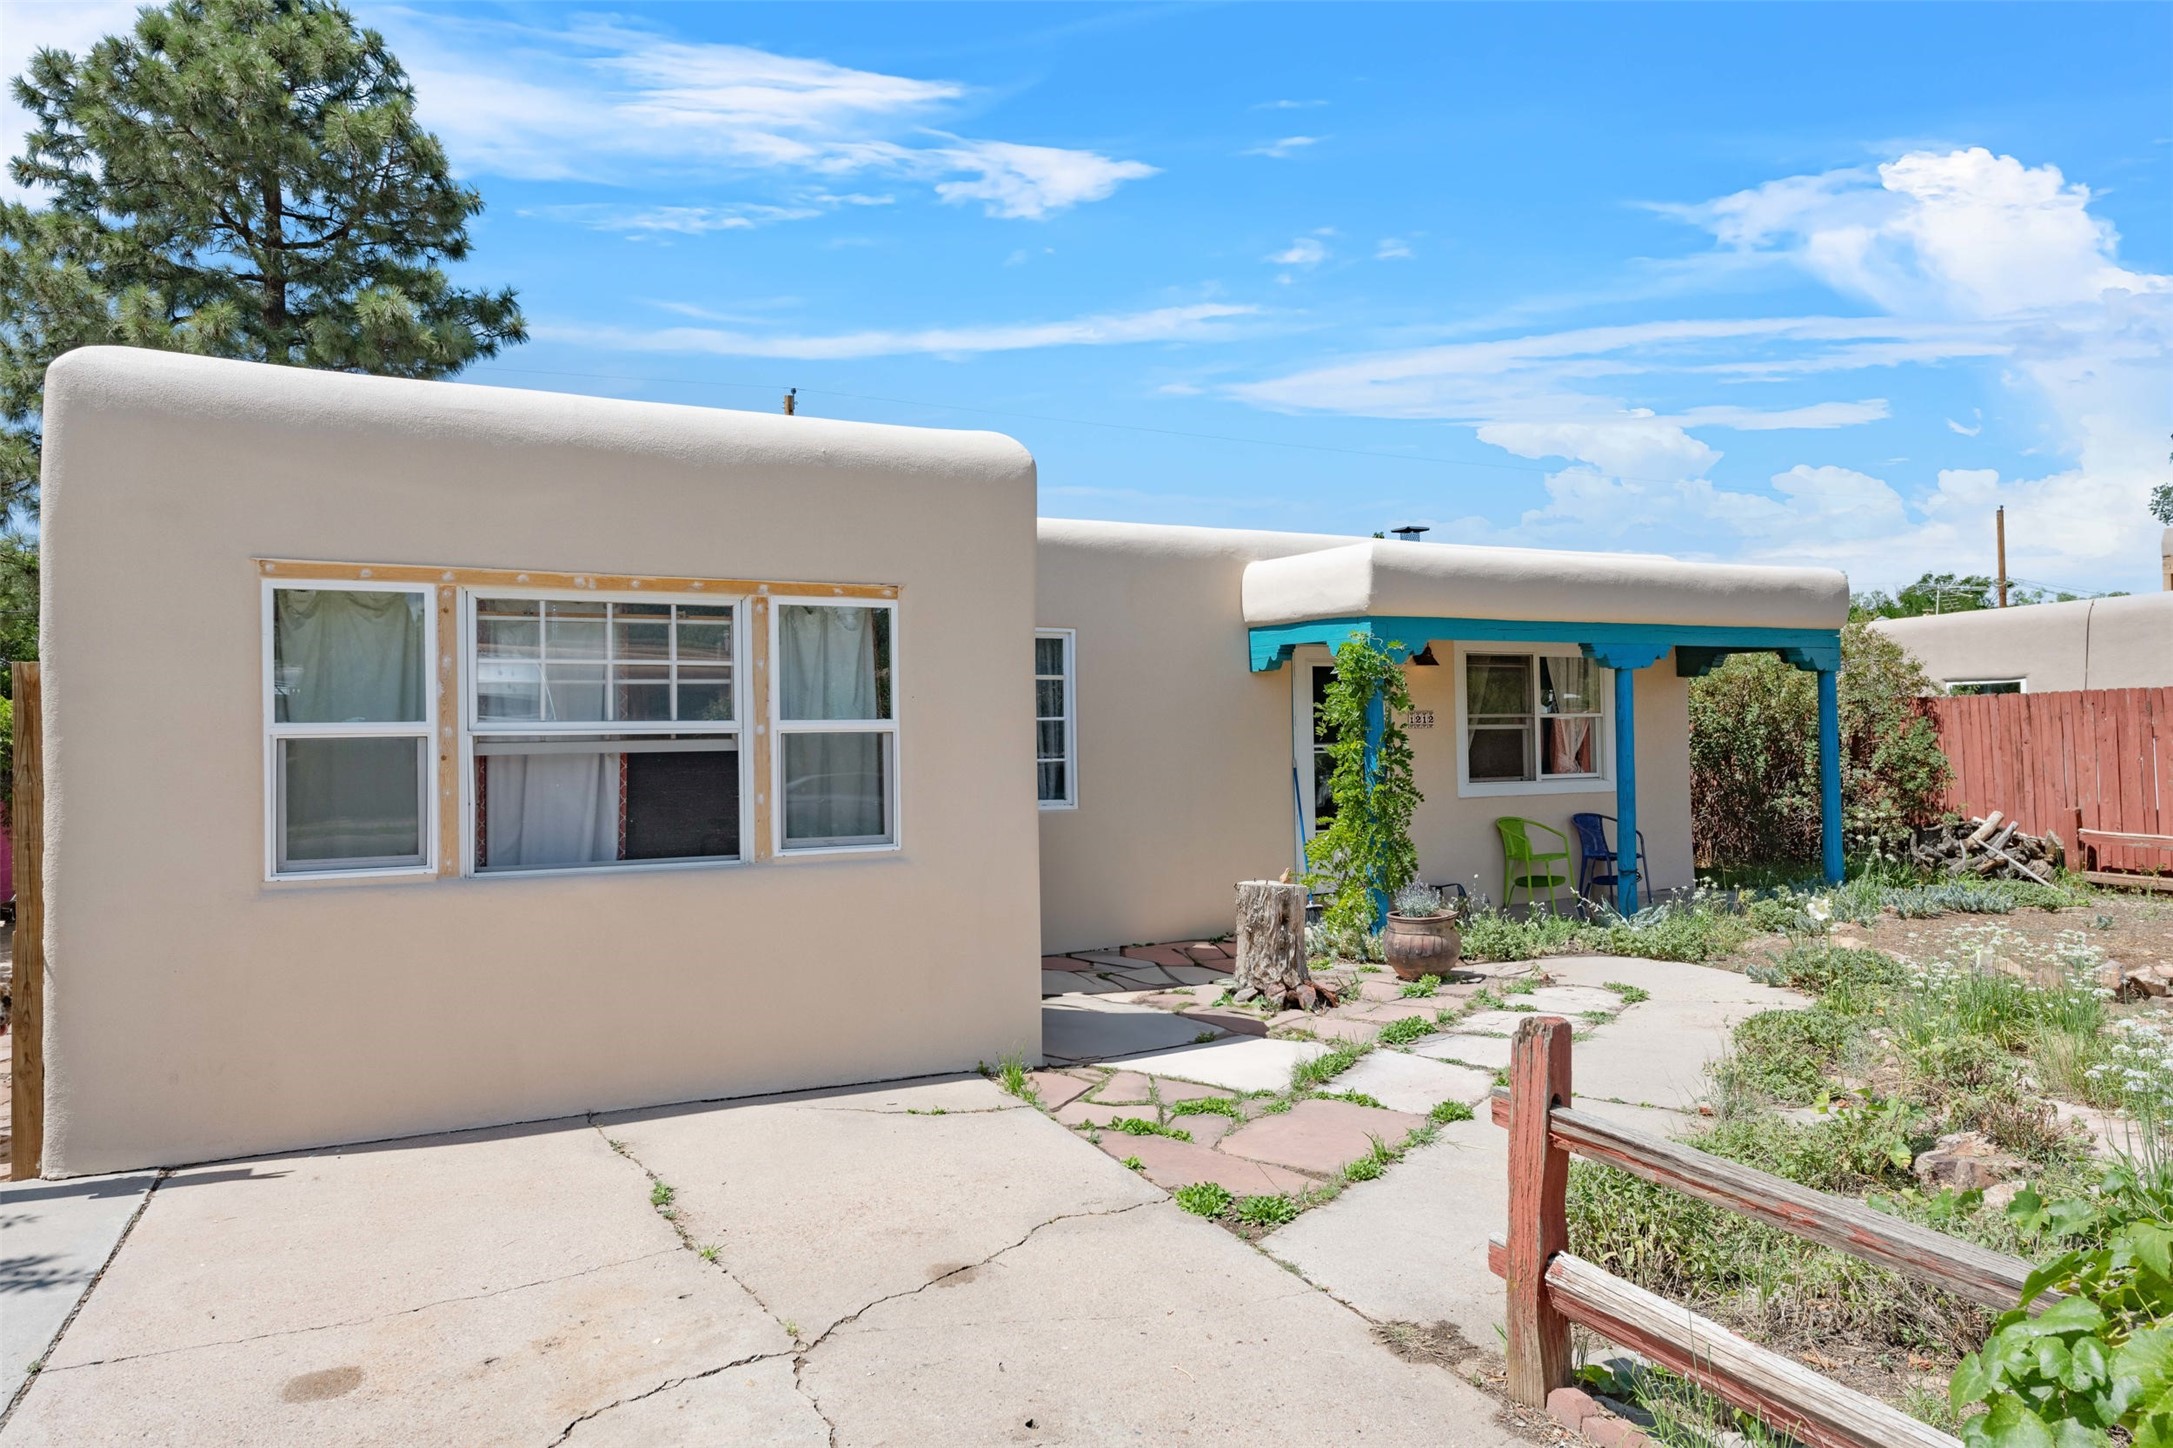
{"points": [[2097, 759]]}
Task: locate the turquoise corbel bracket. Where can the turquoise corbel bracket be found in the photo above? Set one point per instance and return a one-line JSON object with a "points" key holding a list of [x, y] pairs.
{"points": [[1627, 653]]}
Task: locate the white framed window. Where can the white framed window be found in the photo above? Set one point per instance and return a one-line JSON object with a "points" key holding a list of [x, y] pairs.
{"points": [[1056, 747], [1988, 686], [1531, 722], [349, 712], [602, 730], [834, 724]]}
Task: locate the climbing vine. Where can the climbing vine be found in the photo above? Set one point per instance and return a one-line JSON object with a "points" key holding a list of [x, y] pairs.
{"points": [[1365, 853]]}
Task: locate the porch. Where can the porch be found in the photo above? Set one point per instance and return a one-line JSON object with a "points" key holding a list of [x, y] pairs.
{"points": [[1605, 619]]}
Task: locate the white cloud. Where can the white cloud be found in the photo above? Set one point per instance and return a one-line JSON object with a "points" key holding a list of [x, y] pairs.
{"points": [[1289, 105], [1032, 181], [1305, 251], [1969, 429], [1283, 149], [640, 221], [1392, 248], [1196, 322], [608, 102]]}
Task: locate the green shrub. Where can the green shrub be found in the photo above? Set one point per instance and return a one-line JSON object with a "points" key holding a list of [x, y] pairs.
{"points": [[1491, 935]]}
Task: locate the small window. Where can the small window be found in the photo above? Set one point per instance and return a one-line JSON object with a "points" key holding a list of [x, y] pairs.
{"points": [[1986, 686], [605, 732], [1056, 757], [837, 727], [1531, 718], [349, 729]]}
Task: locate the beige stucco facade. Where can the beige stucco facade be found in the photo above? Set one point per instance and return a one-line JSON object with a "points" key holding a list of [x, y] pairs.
{"points": [[198, 1010], [2097, 643], [1186, 756]]}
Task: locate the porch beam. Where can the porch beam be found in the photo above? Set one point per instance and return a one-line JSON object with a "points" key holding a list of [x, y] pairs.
{"points": [[1699, 645], [1829, 774]]}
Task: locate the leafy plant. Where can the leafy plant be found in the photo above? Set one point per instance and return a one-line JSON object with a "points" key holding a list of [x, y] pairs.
{"points": [[1631, 994], [1325, 1067], [1204, 1199], [1366, 853], [1137, 1126], [2101, 1357], [1267, 1211], [1425, 985], [1208, 1106], [1449, 1111], [1356, 1098]]}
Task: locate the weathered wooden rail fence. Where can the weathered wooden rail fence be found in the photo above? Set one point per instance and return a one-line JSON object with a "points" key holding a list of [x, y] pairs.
{"points": [[1550, 1289]]}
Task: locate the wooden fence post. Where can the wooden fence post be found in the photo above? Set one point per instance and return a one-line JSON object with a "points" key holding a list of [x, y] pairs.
{"points": [[1538, 1209], [27, 1019]]}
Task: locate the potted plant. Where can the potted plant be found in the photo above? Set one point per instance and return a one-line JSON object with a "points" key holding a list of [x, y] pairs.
{"points": [[1423, 936]]}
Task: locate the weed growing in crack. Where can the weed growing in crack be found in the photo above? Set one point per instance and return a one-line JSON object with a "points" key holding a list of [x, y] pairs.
{"points": [[1356, 1098], [1631, 994], [1449, 1111], [1208, 1106], [1137, 1126], [1484, 999], [1204, 1199], [1135, 1163], [1522, 985], [930, 1111], [1425, 985], [1266, 1211], [1205, 1036], [1595, 1018], [1326, 1067], [1407, 1030], [708, 1253], [660, 1197], [1011, 1076]]}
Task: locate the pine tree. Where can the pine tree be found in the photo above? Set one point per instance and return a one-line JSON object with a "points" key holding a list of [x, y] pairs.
{"points": [[240, 178]]}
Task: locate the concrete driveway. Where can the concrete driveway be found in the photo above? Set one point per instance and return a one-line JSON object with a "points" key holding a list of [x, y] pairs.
{"points": [[923, 1263]]}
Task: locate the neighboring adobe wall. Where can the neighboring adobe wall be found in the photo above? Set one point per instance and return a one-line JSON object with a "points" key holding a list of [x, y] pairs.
{"points": [[2097, 643], [1185, 756], [198, 1012]]}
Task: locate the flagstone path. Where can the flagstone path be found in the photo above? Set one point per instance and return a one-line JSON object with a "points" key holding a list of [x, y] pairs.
{"points": [[1397, 1185]]}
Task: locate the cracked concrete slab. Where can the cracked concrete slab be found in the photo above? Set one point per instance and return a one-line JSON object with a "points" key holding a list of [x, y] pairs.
{"points": [[487, 1287], [820, 1212], [1078, 1028], [757, 1402], [1239, 1063], [1192, 1332], [54, 1236]]}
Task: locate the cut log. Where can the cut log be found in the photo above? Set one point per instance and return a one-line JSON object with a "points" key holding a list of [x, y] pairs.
{"points": [[1271, 946]]}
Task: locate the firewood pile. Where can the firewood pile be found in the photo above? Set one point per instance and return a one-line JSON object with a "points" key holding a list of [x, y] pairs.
{"points": [[1992, 848]]}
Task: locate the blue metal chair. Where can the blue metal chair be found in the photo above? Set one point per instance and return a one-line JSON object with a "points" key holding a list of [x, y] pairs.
{"points": [[1596, 852]]}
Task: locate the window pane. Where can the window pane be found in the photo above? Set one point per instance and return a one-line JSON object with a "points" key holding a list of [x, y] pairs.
{"points": [[683, 804], [507, 638], [834, 663], [575, 691], [1049, 740], [555, 808], [834, 789], [1568, 685], [1497, 684], [508, 691], [1049, 698], [347, 657], [574, 637], [1499, 753], [641, 692], [641, 631], [1048, 656], [1569, 746], [705, 635], [1052, 782], [350, 804], [705, 693]]}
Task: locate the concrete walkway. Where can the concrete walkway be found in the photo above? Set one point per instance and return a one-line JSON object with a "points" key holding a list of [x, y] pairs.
{"points": [[54, 1238], [1411, 1246], [931, 1262]]}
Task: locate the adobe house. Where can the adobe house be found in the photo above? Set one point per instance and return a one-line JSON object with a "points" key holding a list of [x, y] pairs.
{"points": [[2090, 643], [422, 756]]}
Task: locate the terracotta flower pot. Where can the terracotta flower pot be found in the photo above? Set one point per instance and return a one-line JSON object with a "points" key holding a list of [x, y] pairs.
{"points": [[1417, 945]]}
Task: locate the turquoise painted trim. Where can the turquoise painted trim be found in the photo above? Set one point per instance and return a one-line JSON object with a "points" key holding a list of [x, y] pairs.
{"points": [[1829, 774], [1806, 648], [1625, 791]]}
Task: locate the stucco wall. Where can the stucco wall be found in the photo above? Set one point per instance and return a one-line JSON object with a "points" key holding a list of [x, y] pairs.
{"points": [[1185, 755], [2099, 643], [198, 1012]]}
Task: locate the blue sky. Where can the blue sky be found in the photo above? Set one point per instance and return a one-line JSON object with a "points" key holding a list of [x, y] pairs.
{"points": [[1752, 282]]}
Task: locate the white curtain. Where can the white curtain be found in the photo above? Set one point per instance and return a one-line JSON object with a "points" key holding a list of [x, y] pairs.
{"points": [[828, 664], [551, 809], [342, 658]]}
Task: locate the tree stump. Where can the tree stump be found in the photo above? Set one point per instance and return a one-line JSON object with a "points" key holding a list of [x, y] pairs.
{"points": [[1271, 948]]}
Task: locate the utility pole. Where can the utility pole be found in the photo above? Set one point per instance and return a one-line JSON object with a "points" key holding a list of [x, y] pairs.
{"points": [[1999, 518], [792, 400]]}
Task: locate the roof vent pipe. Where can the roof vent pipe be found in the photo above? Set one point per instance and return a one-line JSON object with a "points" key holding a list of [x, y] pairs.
{"points": [[1409, 532]]}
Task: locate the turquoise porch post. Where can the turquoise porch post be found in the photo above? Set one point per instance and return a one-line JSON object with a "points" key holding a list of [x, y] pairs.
{"points": [[1626, 791], [1376, 726], [1829, 774]]}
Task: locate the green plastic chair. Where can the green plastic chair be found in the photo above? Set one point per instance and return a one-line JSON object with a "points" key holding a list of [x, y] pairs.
{"points": [[1527, 869]]}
